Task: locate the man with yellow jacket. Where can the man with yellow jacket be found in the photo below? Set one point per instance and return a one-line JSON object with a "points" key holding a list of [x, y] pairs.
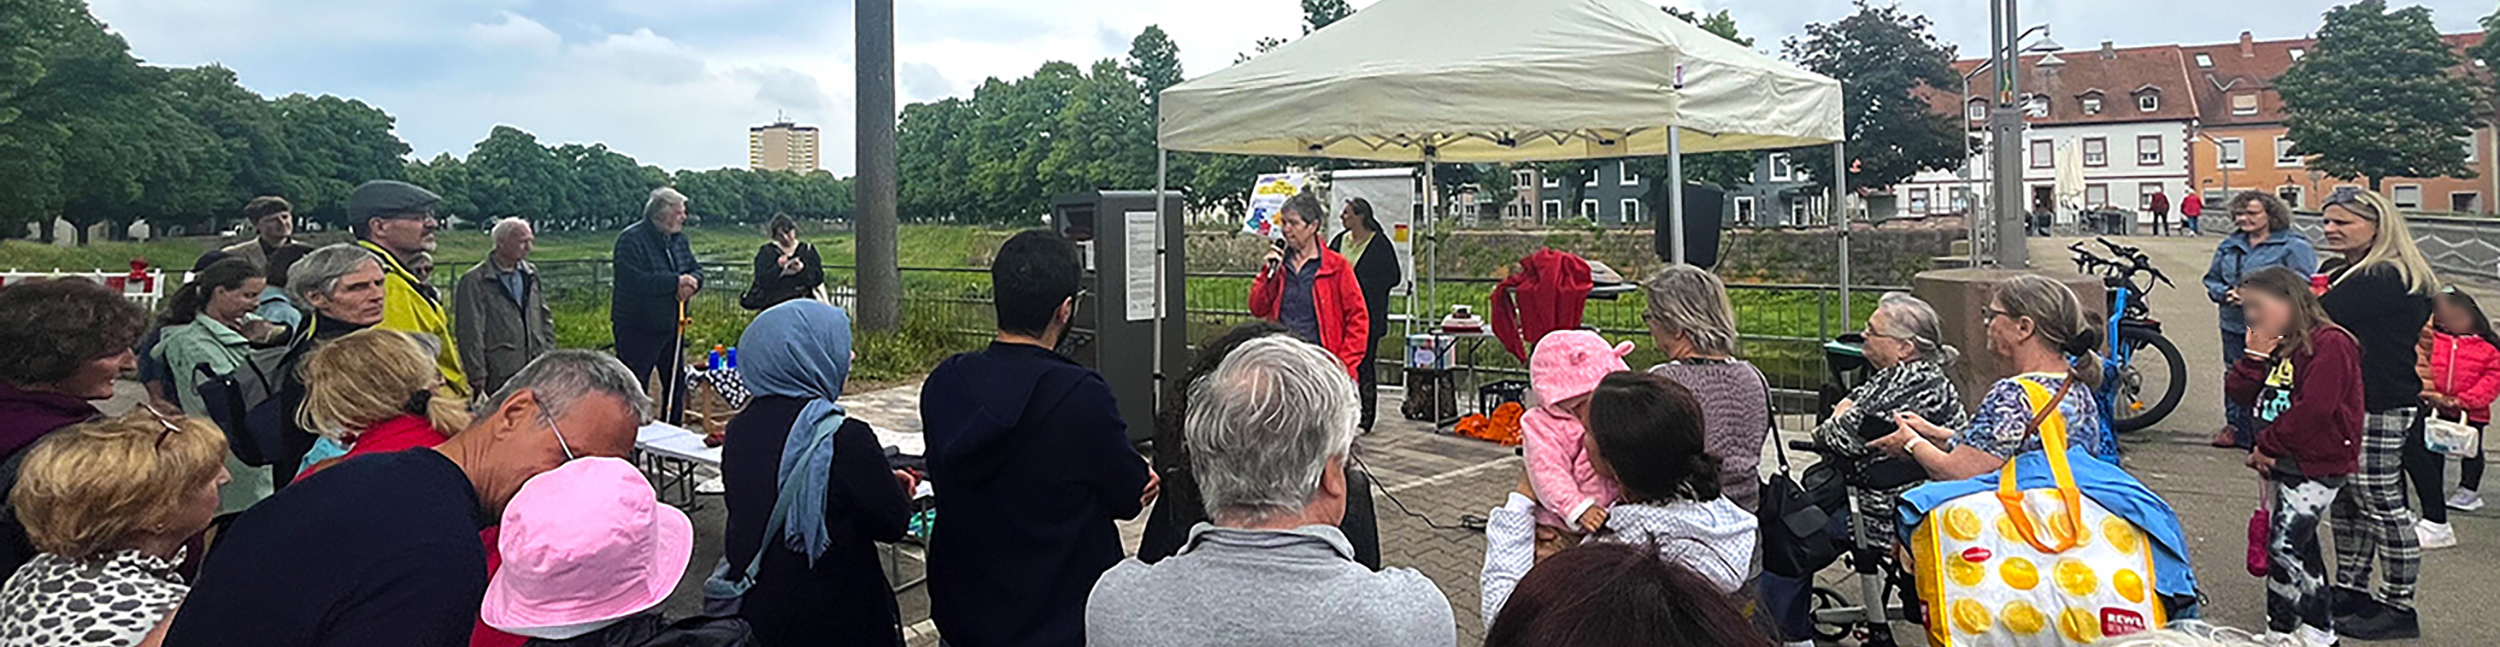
{"points": [[395, 220]]}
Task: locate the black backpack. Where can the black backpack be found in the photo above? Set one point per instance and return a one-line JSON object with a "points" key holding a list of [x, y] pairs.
{"points": [[244, 402]]}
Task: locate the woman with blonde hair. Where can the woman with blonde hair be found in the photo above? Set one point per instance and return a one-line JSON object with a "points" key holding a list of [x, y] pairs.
{"points": [[2380, 290], [375, 391], [110, 504]]}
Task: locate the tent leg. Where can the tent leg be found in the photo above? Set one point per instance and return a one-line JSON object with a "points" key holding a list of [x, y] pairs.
{"points": [[1162, 178], [1432, 228], [1675, 194], [1840, 219]]}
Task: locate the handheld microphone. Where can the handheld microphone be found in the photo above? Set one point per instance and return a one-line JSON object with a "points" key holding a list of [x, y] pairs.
{"points": [[1281, 252]]}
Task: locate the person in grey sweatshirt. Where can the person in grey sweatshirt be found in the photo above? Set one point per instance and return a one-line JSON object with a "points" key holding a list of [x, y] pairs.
{"points": [[1645, 432], [1269, 432]]}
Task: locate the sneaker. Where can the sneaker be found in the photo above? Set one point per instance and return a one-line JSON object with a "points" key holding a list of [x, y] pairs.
{"points": [[2224, 438], [2308, 636], [2344, 602], [714, 485], [2465, 501], [2435, 534], [2381, 623]]}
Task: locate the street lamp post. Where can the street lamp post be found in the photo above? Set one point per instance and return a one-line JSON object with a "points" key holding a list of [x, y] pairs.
{"points": [[2005, 127], [1970, 198]]}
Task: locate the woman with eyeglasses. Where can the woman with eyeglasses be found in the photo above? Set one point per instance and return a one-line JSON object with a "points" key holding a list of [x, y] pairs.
{"points": [[2262, 237], [1902, 342], [2379, 288], [62, 344], [375, 391], [111, 504], [2036, 327]]}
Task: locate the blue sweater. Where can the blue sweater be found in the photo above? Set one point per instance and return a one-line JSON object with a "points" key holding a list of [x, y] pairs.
{"points": [[644, 293], [2235, 259], [1031, 464]]}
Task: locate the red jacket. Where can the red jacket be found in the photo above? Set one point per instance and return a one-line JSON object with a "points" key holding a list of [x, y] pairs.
{"points": [[2319, 432], [1549, 293], [2464, 367], [1337, 298]]}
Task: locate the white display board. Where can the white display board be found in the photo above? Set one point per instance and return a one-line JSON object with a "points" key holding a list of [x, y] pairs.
{"points": [[1144, 301], [1392, 194]]}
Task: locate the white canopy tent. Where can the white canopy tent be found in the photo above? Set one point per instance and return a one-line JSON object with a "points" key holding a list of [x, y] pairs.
{"points": [[1475, 81], [1427, 81]]}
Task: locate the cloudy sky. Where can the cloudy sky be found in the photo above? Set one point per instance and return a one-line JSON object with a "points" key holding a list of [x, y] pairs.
{"points": [[676, 82]]}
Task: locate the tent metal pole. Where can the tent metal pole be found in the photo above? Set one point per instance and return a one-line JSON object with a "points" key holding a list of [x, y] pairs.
{"points": [[1675, 193], [1840, 211], [1432, 228], [1163, 168]]}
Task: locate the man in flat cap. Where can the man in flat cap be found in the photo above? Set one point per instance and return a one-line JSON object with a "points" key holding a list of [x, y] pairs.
{"points": [[395, 220]]}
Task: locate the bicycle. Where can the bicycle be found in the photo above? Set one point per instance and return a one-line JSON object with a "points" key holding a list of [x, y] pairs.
{"points": [[2131, 330]]}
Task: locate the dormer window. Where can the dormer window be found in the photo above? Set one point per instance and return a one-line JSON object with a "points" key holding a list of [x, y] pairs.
{"points": [[2148, 102], [2037, 107], [2244, 104], [1977, 110], [2298, 52], [2092, 104]]}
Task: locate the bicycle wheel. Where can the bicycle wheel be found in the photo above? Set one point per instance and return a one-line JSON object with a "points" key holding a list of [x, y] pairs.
{"points": [[2152, 378]]}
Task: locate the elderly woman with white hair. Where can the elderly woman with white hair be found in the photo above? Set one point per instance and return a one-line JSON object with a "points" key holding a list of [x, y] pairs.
{"points": [[1903, 343], [1270, 431], [1695, 326], [340, 289]]}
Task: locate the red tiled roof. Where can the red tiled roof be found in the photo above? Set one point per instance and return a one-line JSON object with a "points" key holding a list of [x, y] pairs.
{"points": [[2189, 91]]}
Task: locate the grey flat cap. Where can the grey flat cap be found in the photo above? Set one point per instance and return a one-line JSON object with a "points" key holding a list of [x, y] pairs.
{"points": [[385, 197]]}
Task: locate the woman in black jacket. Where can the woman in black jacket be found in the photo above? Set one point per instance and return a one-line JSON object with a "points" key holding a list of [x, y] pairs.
{"points": [[1376, 267], [785, 268]]}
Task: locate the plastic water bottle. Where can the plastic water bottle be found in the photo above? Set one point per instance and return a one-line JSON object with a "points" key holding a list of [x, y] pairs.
{"points": [[733, 357]]}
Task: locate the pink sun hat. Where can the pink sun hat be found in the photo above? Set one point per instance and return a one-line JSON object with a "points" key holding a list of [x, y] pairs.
{"points": [[1569, 364], [582, 545]]}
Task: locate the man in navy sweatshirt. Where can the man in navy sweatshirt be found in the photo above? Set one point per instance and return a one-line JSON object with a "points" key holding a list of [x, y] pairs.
{"points": [[1029, 451]]}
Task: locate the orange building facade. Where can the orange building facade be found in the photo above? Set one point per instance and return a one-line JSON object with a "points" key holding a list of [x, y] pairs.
{"points": [[2240, 143]]}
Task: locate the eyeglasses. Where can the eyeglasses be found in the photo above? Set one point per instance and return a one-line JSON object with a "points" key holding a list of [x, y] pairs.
{"points": [[550, 419], [1990, 314], [163, 420]]}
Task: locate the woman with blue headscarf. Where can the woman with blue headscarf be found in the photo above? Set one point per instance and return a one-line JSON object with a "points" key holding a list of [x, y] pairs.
{"points": [[819, 581]]}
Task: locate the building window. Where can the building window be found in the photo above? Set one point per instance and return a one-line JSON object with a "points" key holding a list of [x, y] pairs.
{"points": [[2204, 60], [2465, 202], [1977, 110], [2096, 151], [1919, 202], [2406, 196], [2149, 101], [2043, 153], [2283, 155], [2095, 195], [1551, 181], [1522, 178], [2037, 107], [2298, 52], [1744, 210], [1593, 173], [2148, 150], [2092, 105], [1552, 209], [1629, 178], [2144, 195], [2468, 142], [2213, 200], [1588, 209], [1797, 213], [1631, 210], [2291, 195], [2233, 153], [1780, 170]]}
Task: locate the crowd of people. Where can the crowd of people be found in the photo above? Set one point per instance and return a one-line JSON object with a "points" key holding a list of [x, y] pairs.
{"points": [[432, 471]]}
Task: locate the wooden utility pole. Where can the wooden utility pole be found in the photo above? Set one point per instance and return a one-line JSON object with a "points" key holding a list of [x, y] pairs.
{"points": [[878, 268]]}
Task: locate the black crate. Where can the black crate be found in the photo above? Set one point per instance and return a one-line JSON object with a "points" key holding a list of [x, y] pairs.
{"points": [[1495, 393]]}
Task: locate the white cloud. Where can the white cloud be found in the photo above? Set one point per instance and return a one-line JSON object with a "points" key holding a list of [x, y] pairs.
{"points": [[514, 32]]}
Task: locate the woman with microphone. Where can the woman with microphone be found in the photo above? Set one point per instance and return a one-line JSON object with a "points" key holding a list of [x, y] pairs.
{"points": [[1310, 290]]}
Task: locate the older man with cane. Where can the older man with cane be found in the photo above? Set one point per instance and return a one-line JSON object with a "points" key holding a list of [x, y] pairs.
{"points": [[656, 276]]}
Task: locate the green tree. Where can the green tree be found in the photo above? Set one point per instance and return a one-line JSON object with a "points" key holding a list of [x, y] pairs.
{"points": [[252, 139], [1880, 55], [448, 177], [2488, 51], [510, 174], [2377, 97], [1104, 138], [929, 143], [1318, 14], [338, 144], [1155, 60]]}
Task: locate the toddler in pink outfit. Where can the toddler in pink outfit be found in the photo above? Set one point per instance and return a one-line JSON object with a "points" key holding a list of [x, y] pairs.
{"points": [[1564, 370]]}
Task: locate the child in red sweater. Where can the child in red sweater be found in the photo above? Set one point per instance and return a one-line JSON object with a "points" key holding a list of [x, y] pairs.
{"points": [[2461, 374], [2301, 378]]}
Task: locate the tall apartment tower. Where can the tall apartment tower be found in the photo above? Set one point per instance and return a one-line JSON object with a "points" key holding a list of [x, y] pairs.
{"points": [[782, 146]]}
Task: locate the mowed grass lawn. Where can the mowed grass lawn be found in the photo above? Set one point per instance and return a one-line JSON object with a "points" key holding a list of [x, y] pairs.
{"points": [[946, 312]]}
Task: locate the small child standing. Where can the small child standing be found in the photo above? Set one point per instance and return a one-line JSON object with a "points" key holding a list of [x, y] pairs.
{"points": [[2301, 378], [2461, 373], [1564, 370]]}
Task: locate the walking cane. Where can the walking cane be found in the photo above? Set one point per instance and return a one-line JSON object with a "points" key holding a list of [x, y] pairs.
{"points": [[672, 393]]}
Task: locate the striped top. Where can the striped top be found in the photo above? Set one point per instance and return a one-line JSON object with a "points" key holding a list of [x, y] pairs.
{"points": [[1736, 419]]}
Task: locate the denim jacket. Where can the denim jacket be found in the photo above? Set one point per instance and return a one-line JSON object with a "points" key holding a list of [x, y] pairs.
{"points": [[2235, 259]]}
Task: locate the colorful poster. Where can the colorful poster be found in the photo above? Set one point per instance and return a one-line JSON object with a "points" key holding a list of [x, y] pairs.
{"points": [[1266, 198]]}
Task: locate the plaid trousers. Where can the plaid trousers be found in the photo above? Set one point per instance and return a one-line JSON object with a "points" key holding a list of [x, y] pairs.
{"points": [[2371, 520]]}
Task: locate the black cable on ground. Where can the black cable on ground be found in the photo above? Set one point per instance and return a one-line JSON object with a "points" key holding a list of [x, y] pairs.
{"points": [[1466, 523]]}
